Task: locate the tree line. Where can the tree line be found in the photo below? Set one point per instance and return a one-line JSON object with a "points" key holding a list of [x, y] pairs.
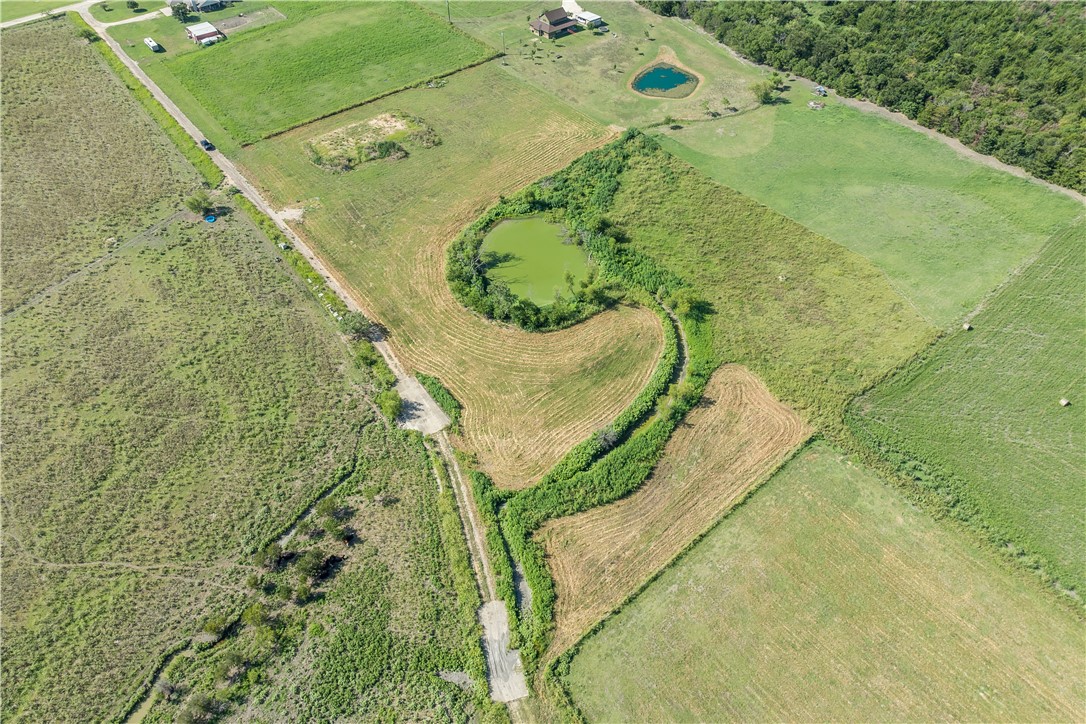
{"points": [[1005, 79]]}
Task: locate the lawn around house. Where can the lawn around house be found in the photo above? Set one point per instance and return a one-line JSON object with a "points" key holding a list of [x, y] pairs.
{"points": [[826, 596]]}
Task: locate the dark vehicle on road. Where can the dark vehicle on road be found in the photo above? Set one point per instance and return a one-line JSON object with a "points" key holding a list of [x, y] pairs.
{"points": [[206, 145]]}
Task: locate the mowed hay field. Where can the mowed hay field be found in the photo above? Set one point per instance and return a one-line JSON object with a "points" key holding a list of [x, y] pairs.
{"points": [[978, 420], [735, 437], [826, 597], [325, 57], [815, 321], [62, 210], [943, 228], [384, 227]]}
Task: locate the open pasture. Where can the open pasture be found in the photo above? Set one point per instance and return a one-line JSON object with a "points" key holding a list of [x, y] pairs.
{"points": [[977, 418], [165, 412], [813, 320], [322, 58], [384, 227], [398, 608], [169, 408], [735, 437], [943, 228], [61, 210], [827, 597]]}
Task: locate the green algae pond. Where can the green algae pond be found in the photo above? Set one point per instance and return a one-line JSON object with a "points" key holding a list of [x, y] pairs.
{"points": [[531, 256]]}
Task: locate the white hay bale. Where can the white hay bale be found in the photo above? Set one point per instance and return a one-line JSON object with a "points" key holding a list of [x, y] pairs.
{"points": [[1064, 402], [967, 326]]}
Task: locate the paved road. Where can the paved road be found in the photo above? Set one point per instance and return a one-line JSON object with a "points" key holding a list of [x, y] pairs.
{"points": [[421, 412]]}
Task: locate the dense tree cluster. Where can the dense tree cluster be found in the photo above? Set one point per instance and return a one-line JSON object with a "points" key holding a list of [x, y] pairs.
{"points": [[1003, 78]]}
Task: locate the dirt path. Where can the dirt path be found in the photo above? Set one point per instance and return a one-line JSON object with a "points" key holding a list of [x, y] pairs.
{"points": [[504, 667]]}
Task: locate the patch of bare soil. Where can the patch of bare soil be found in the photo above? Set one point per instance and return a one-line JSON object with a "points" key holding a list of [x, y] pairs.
{"points": [[737, 436]]}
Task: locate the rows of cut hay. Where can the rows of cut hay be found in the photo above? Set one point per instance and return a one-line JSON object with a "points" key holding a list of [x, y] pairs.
{"points": [[730, 441], [826, 596], [64, 210], [384, 227], [977, 421]]}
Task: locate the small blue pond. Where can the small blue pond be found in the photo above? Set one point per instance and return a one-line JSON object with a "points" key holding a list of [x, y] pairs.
{"points": [[665, 81]]}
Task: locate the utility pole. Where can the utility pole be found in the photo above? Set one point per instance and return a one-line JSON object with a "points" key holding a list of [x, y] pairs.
{"points": [[449, 9], [503, 48]]}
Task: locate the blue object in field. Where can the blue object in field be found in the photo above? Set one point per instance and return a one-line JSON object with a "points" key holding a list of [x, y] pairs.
{"points": [[209, 219]]}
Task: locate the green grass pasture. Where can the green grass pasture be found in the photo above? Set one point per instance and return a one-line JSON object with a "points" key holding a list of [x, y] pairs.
{"points": [[978, 419], [368, 644], [827, 597], [817, 322], [529, 255], [14, 9], [322, 58], [944, 229]]}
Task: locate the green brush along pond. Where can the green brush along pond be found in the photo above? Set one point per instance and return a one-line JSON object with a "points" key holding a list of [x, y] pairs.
{"points": [[531, 256]]}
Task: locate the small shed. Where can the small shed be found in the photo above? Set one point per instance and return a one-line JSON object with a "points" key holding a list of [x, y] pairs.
{"points": [[552, 24], [203, 6], [588, 20], [203, 33]]}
